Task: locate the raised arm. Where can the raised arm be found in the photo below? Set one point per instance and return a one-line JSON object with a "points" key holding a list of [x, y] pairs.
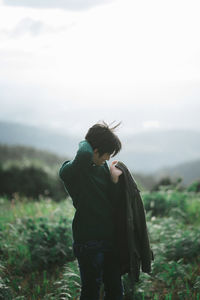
{"points": [[82, 160]]}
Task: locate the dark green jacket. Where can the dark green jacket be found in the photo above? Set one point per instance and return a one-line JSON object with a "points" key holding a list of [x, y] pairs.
{"points": [[133, 240], [93, 193]]}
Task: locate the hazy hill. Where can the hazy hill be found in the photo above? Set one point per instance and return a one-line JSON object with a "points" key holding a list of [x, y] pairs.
{"points": [[22, 156], [17, 134], [151, 151], [189, 171], [145, 152]]}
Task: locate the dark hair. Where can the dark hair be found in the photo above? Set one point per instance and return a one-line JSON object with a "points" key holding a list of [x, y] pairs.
{"points": [[102, 137]]}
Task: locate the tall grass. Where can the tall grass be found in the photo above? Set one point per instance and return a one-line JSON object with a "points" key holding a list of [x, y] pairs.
{"points": [[36, 260], [35, 242]]}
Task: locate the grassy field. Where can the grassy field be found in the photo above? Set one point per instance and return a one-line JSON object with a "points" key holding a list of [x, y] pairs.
{"points": [[35, 242], [36, 259]]}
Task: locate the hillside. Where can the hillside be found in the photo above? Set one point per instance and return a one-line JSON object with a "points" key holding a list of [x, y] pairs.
{"points": [[40, 138], [146, 152], [189, 171], [23, 156]]}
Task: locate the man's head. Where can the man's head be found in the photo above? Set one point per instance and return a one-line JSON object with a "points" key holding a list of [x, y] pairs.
{"points": [[104, 142]]}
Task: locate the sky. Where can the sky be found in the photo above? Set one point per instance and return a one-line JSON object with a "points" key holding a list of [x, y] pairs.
{"points": [[66, 65]]}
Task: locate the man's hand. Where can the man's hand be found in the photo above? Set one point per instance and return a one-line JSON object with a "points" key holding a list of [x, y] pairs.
{"points": [[115, 172]]}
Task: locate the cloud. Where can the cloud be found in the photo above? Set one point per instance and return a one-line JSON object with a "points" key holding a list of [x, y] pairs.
{"points": [[24, 26], [50, 106], [33, 28], [28, 25], [151, 124], [62, 4]]}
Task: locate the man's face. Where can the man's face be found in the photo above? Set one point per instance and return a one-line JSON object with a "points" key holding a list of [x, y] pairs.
{"points": [[100, 160]]}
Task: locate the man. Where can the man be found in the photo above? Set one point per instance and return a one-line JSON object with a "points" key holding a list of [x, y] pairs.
{"points": [[93, 188]]}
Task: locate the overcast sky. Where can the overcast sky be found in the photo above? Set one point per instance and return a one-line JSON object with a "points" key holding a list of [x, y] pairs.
{"points": [[67, 64]]}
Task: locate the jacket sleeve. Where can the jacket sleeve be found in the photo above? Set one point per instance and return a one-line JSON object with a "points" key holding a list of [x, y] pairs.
{"points": [[82, 160]]}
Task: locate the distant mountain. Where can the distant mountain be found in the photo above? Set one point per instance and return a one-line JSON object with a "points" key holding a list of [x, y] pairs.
{"points": [[45, 139], [22, 156], [150, 151], [143, 152], [189, 172]]}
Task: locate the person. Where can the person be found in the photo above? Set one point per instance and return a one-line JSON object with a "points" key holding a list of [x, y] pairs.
{"points": [[94, 189]]}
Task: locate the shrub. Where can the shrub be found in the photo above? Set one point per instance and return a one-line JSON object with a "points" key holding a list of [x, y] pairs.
{"points": [[162, 203], [31, 182], [186, 245], [167, 183], [172, 242], [49, 242], [194, 187], [5, 291], [176, 250], [37, 243]]}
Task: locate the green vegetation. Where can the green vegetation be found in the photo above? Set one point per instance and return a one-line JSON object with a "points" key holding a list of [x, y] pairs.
{"points": [[36, 259], [35, 241], [31, 182], [23, 157], [194, 187], [29, 172]]}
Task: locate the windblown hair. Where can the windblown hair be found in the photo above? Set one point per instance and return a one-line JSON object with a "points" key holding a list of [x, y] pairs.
{"points": [[102, 137]]}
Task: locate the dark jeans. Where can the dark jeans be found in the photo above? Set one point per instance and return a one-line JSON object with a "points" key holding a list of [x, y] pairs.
{"points": [[98, 263]]}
